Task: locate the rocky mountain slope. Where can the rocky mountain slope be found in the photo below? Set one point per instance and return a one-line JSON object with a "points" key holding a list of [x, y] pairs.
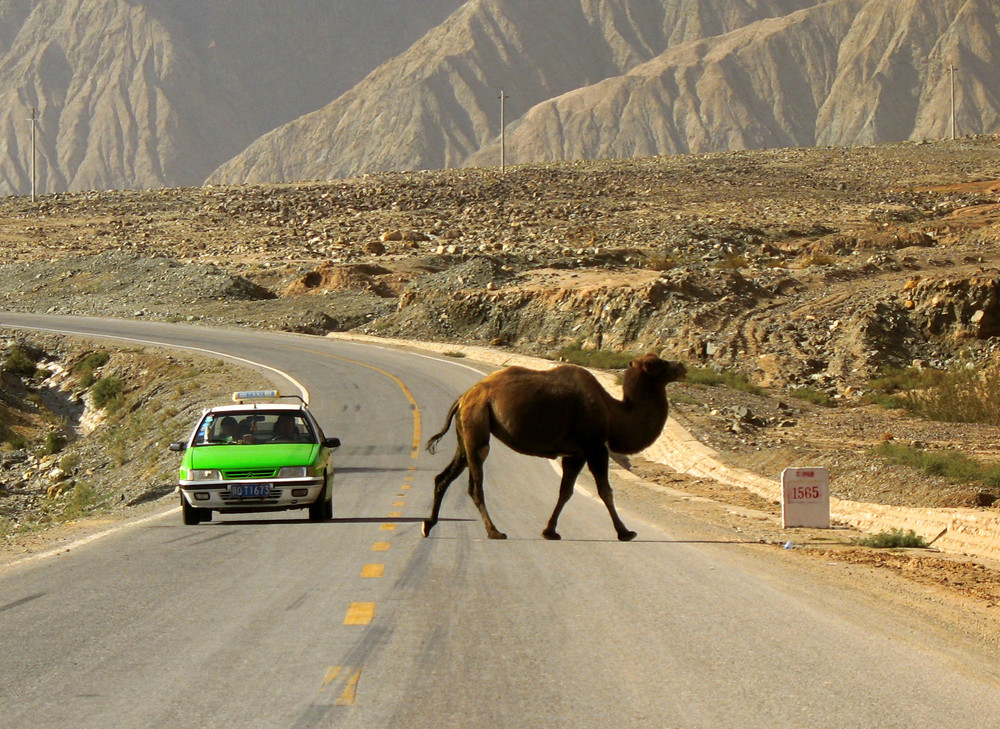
{"points": [[155, 93], [438, 103], [160, 92], [844, 72]]}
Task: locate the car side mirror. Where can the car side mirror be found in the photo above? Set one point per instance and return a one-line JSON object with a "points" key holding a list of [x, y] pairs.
{"points": [[178, 446], [332, 442]]}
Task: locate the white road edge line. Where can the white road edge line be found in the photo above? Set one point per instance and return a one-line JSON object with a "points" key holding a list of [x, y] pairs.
{"points": [[301, 388], [83, 541]]}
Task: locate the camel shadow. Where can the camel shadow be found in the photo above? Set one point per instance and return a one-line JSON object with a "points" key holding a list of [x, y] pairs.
{"points": [[335, 520]]}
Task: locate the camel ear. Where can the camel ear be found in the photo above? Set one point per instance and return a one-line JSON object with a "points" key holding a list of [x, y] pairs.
{"points": [[637, 363], [649, 361]]}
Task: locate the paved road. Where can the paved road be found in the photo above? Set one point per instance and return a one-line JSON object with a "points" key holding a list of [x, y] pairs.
{"points": [[277, 622]]}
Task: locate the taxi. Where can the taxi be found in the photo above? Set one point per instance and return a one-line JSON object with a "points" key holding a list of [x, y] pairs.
{"points": [[262, 453]]}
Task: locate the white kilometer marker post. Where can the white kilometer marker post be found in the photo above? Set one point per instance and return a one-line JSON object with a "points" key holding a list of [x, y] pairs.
{"points": [[805, 498]]}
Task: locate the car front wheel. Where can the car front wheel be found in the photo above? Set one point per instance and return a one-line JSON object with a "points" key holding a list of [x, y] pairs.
{"points": [[192, 514], [322, 508]]}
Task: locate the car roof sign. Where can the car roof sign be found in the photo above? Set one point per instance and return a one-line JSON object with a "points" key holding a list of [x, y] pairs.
{"points": [[243, 396], [255, 395]]}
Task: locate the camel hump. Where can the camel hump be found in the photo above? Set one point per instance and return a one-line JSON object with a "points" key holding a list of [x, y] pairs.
{"points": [[567, 388], [562, 377]]}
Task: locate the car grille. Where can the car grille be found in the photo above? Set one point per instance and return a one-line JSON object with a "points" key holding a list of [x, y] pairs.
{"points": [[241, 473], [272, 498]]}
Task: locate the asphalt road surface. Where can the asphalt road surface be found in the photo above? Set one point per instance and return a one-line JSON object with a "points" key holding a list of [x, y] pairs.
{"points": [[272, 621]]}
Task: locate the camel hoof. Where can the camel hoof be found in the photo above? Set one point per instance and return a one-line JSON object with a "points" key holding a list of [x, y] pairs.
{"points": [[497, 535], [626, 536], [426, 528], [551, 534]]}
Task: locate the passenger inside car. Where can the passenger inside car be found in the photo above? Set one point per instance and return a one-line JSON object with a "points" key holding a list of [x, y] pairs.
{"points": [[285, 429]]}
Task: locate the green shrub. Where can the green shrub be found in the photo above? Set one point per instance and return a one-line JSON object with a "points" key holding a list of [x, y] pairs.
{"points": [[80, 501], [816, 397], [893, 539], [54, 442], [959, 395], [106, 393], [599, 358], [904, 379], [20, 362], [722, 378], [92, 361], [85, 368], [15, 440], [951, 465], [11, 438], [69, 462]]}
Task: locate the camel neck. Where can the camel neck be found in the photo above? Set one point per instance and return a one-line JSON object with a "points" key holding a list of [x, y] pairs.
{"points": [[639, 419]]}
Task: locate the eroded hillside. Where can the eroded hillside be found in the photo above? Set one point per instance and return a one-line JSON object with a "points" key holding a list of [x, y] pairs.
{"points": [[796, 267]]}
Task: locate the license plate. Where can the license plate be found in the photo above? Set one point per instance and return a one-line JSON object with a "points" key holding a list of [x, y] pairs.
{"points": [[250, 490]]}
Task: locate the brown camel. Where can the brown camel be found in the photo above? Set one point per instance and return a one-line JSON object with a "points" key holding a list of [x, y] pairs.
{"points": [[562, 412]]}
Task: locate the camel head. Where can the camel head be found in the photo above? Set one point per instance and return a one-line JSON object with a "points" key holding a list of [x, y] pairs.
{"points": [[650, 368]]}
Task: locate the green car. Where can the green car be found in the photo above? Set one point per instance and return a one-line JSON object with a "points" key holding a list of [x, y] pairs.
{"points": [[256, 456]]}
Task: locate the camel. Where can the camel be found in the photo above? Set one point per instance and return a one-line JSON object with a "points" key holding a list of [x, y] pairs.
{"points": [[563, 412]]}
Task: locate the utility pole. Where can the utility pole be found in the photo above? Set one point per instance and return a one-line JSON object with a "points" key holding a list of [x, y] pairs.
{"points": [[953, 101], [503, 131], [32, 120]]}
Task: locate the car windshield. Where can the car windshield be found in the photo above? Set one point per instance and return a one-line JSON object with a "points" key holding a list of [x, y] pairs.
{"points": [[254, 427]]}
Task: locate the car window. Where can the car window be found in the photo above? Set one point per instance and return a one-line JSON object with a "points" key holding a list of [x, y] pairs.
{"points": [[254, 428]]}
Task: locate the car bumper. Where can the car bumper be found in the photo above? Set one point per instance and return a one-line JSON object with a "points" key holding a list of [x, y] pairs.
{"points": [[281, 494]]}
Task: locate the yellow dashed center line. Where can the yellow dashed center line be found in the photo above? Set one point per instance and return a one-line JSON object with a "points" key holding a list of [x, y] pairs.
{"points": [[350, 691], [360, 613], [331, 675]]}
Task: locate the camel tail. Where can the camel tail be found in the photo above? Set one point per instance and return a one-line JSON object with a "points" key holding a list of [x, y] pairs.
{"points": [[433, 441]]}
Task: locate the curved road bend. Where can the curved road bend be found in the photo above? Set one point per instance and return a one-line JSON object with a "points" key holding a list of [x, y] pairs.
{"points": [[276, 622]]}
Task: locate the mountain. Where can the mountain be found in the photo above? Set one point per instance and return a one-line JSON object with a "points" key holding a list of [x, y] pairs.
{"points": [[150, 93], [845, 72], [438, 103], [153, 93]]}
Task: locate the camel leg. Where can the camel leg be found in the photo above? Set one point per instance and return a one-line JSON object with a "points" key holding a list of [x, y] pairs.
{"points": [[597, 462], [571, 465], [476, 458], [441, 483]]}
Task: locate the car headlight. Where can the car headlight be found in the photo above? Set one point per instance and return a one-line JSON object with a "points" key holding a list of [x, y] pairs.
{"points": [[205, 474], [296, 471]]}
